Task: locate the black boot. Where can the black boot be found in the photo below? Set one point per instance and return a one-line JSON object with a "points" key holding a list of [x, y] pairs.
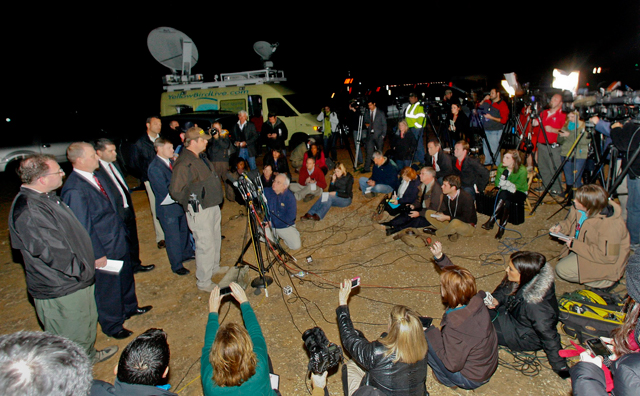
{"points": [[392, 230], [504, 218], [492, 220]]}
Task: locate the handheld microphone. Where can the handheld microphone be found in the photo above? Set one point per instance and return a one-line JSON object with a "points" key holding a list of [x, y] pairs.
{"points": [[505, 174]]}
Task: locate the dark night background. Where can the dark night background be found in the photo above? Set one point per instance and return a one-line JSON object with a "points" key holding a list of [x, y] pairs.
{"points": [[97, 64]]}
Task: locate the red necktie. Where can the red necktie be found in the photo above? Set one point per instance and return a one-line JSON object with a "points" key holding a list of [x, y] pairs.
{"points": [[434, 162], [100, 185]]}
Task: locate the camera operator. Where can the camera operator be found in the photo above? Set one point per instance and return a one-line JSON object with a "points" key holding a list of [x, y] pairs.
{"points": [[626, 138]]}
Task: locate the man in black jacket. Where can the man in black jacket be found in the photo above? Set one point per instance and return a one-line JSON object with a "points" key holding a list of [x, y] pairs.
{"points": [[622, 138], [58, 256], [473, 176], [458, 216], [274, 132]]}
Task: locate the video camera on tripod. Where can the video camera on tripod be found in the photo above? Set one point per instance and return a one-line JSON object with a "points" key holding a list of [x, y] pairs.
{"points": [[612, 106]]}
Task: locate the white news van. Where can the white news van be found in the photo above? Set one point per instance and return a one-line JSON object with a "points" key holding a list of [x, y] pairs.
{"points": [[259, 92]]}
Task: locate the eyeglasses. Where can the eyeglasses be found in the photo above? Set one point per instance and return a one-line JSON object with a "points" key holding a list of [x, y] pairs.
{"points": [[58, 172]]}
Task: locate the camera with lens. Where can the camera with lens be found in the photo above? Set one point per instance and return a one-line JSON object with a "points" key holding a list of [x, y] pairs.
{"points": [[323, 354]]}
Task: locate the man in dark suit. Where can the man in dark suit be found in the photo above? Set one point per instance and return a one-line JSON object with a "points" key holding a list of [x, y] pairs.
{"points": [[376, 122], [142, 153], [438, 160], [170, 213], [83, 192], [113, 182]]}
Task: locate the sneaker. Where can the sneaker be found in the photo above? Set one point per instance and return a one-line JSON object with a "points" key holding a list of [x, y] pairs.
{"points": [[104, 354], [454, 237], [220, 270], [209, 288], [309, 197], [368, 195]]}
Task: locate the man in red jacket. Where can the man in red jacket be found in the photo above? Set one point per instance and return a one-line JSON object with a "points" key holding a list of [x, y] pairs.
{"points": [[311, 182]]}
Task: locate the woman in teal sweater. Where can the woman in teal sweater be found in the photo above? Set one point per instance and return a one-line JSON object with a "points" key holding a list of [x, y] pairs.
{"points": [[234, 359], [511, 179]]}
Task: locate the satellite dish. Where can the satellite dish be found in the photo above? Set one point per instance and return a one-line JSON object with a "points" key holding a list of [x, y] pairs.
{"points": [[173, 49], [264, 49]]}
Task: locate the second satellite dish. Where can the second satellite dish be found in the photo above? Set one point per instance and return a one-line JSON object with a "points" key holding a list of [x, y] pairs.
{"points": [[173, 49]]}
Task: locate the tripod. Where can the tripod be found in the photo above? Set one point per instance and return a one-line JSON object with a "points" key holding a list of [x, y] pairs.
{"points": [[477, 118], [343, 137], [255, 204], [559, 170], [358, 140]]}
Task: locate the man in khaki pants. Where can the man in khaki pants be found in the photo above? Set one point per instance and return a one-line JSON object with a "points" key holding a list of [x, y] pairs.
{"points": [[197, 187]]}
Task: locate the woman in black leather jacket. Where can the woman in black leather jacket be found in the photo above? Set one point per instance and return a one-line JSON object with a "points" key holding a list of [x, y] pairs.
{"points": [[525, 309], [396, 363]]}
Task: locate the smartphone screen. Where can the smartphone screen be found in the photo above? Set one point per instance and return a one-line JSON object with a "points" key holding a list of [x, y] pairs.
{"points": [[598, 347], [355, 282], [225, 290]]}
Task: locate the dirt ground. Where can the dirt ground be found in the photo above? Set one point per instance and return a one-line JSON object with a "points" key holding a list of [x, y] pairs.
{"points": [[343, 245]]}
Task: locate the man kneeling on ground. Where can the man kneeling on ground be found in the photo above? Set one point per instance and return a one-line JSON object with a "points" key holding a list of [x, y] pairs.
{"points": [[458, 216]]}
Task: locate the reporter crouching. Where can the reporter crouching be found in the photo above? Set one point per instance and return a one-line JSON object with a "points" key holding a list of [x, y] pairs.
{"points": [[464, 351], [396, 363]]}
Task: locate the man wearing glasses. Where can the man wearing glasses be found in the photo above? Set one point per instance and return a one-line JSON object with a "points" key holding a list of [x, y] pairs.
{"points": [[58, 256]]}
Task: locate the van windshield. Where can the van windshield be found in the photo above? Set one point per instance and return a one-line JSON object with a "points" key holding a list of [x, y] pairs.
{"points": [[301, 103]]}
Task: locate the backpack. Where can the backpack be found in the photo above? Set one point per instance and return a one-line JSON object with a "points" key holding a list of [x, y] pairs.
{"points": [[590, 314]]}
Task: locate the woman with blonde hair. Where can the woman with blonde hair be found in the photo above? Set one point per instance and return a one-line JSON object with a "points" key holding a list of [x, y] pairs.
{"points": [[404, 145], [234, 358], [396, 363]]}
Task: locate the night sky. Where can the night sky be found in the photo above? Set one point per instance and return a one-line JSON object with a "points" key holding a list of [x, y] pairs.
{"points": [[99, 64]]}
